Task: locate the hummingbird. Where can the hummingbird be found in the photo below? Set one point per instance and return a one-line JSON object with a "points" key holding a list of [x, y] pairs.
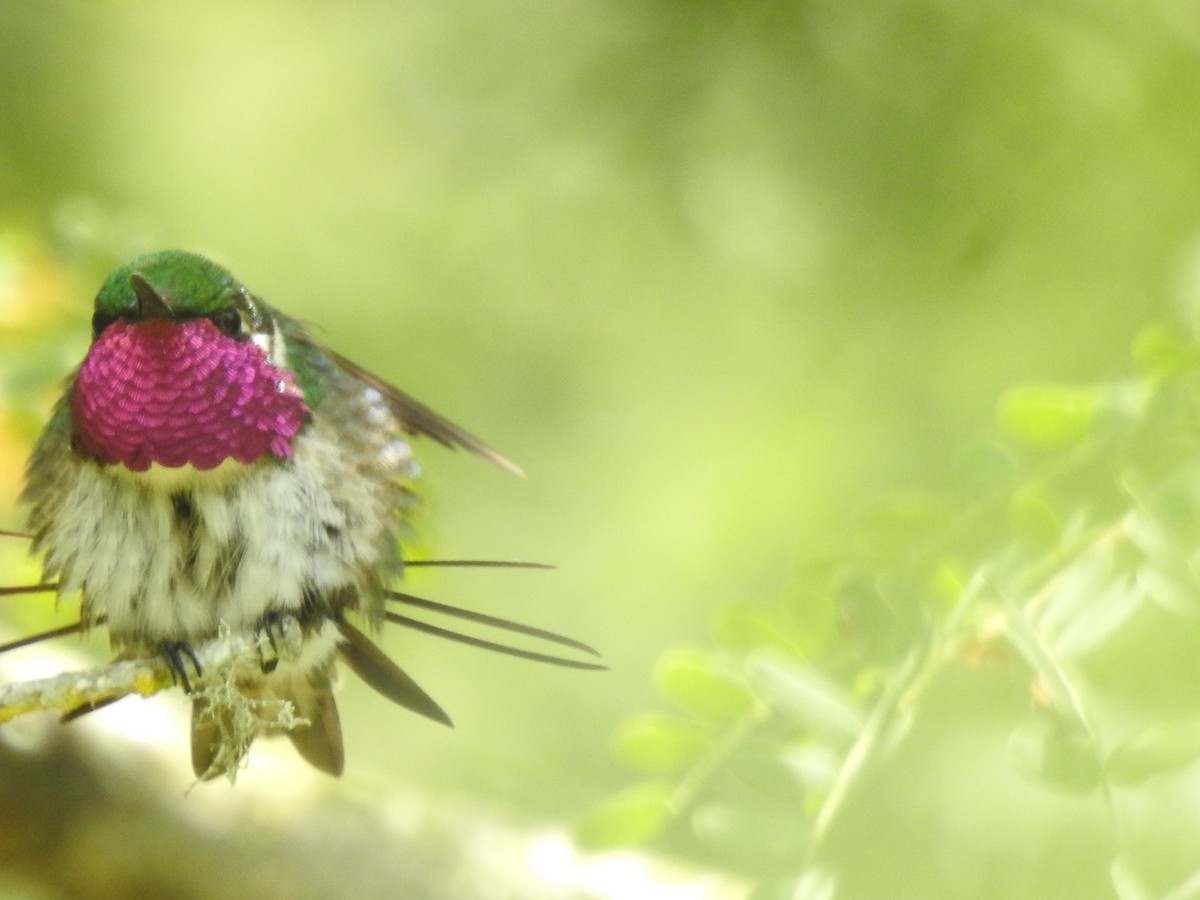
{"points": [[209, 466]]}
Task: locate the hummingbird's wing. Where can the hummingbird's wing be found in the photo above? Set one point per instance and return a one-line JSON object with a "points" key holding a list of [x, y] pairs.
{"points": [[417, 418]]}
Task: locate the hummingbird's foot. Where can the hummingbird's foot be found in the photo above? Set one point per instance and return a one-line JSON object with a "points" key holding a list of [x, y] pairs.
{"points": [[270, 627], [178, 654]]}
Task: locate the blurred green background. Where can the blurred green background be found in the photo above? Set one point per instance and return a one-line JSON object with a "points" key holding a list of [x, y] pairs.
{"points": [[715, 274]]}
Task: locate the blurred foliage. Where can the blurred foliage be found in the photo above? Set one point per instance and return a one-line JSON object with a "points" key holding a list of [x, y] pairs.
{"points": [[721, 277], [1094, 528]]}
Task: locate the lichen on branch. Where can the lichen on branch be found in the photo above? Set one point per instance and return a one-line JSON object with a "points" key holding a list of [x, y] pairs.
{"points": [[222, 661]]}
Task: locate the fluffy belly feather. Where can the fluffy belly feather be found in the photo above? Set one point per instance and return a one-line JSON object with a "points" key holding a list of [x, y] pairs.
{"points": [[172, 554]]}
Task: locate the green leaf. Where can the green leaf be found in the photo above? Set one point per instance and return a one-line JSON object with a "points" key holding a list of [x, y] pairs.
{"points": [[654, 744], [741, 629], [1158, 750], [759, 764], [1173, 595], [1033, 520], [804, 695], [1168, 515], [810, 607], [884, 616], [891, 527], [633, 816], [949, 581], [1056, 755], [697, 682], [813, 766], [1162, 350], [1046, 416]]}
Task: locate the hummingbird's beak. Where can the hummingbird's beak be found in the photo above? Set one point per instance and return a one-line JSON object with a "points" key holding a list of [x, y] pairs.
{"points": [[151, 304]]}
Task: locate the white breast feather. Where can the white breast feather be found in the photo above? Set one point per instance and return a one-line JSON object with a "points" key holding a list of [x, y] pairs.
{"points": [[319, 525]]}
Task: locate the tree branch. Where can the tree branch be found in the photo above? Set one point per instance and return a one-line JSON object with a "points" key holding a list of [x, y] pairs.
{"points": [[222, 661]]}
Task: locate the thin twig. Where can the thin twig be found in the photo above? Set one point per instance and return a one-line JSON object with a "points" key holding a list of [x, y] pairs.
{"points": [[145, 676]]}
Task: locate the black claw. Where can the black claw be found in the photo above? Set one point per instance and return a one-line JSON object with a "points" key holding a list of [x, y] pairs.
{"points": [[178, 654], [270, 625]]}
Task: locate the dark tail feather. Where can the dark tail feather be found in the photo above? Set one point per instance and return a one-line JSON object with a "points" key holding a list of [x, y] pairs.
{"points": [[477, 564], [520, 653], [42, 588], [86, 708], [374, 667], [319, 742], [491, 621], [73, 628], [207, 730]]}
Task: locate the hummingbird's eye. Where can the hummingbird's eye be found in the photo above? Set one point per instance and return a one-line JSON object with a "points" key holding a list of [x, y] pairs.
{"points": [[100, 321], [228, 321]]}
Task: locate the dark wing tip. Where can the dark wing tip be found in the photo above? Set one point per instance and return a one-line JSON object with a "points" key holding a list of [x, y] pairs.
{"points": [[500, 460], [417, 418]]}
